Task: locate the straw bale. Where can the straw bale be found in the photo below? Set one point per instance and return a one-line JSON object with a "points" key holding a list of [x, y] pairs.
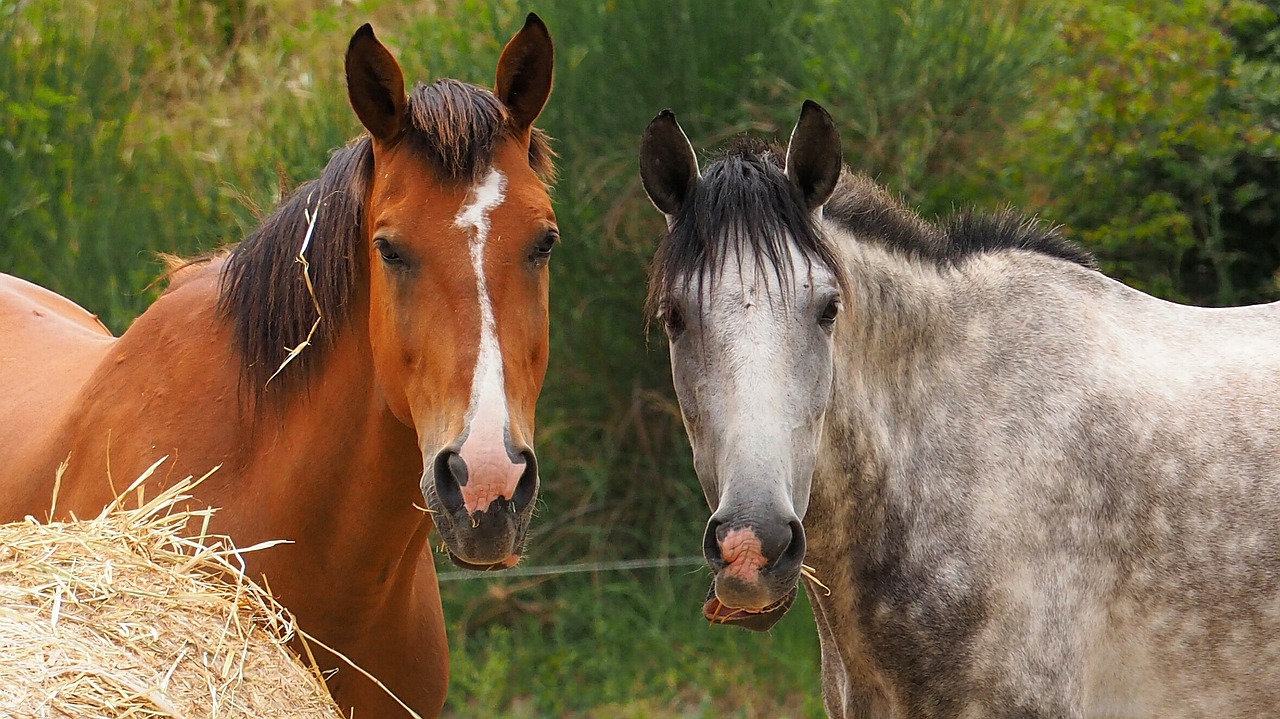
{"points": [[124, 615]]}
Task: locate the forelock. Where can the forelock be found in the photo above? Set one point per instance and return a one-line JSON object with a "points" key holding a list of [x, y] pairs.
{"points": [[458, 127], [743, 207]]}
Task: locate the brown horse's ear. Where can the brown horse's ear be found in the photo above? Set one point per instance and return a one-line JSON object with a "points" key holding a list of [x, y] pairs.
{"points": [[813, 155], [668, 167], [525, 71], [375, 85]]}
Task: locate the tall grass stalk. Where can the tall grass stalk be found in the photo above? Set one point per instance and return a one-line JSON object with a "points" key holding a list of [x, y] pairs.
{"points": [[83, 209]]}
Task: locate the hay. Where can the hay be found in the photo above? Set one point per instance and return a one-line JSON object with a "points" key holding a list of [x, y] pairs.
{"points": [[122, 615]]}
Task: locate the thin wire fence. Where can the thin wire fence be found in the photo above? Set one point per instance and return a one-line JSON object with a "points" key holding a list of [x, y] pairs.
{"points": [[583, 568]]}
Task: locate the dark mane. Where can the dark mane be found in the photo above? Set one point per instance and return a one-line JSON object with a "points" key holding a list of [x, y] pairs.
{"points": [[457, 126], [871, 212], [454, 125], [743, 203]]}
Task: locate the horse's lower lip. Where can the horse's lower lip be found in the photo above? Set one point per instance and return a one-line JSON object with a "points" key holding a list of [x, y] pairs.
{"points": [[754, 619], [507, 563], [750, 610]]}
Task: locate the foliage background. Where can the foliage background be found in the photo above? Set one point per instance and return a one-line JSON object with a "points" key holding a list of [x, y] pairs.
{"points": [[1150, 131]]}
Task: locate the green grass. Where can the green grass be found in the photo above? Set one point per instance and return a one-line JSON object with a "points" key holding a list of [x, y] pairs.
{"points": [[82, 206], [629, 644]]}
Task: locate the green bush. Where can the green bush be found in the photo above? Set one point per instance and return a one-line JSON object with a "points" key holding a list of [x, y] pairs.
{"points": [[920, 87], [1155, 141]]}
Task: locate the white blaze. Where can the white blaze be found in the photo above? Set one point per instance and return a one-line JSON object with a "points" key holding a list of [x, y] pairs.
{"points": [[485, 440]]}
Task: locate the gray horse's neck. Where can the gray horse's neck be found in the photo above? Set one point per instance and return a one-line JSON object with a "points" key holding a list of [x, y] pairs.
{"points": [[897, 322], [926, 354], [917, 348], [1022, 453]]}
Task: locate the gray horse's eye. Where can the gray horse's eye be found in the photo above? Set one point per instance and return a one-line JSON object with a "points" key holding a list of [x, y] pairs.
{"points": [[828, 318], [672, 321]]}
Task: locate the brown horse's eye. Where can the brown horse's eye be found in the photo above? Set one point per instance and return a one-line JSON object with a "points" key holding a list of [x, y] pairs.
{"points": [[542, 249], [388, 252]]}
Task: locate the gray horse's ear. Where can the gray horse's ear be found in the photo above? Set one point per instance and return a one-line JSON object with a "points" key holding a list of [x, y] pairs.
{"points": [[668, 167], [375, 86], [813, 155]]}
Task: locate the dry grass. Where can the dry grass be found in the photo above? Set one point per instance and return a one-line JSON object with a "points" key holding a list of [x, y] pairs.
{"points": [[123, 615]]}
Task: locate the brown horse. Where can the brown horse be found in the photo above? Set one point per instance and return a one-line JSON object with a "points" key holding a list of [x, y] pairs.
{"points": [[426, 244]]}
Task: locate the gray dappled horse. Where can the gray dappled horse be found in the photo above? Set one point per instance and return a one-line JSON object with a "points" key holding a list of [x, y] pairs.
{"points": [[1031, 490]]}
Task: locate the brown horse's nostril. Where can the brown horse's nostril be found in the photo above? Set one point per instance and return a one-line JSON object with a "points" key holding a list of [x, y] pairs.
{"points": [[458, 468], [450, 474], [527, 487]]}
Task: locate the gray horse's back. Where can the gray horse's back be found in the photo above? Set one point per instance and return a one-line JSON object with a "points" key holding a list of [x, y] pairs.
{"points": [[1194, 615], [1158, 521], [1086, 522]]}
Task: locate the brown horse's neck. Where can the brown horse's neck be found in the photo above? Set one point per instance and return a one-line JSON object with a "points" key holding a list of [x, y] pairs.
{"points": [[353, 466], [327, 467], [339, 460]]}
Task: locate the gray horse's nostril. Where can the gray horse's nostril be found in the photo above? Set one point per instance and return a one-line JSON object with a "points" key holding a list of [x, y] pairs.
{"points": [[450, 474], [793, 554], [778, 542], [781, 544], [711, 545]]}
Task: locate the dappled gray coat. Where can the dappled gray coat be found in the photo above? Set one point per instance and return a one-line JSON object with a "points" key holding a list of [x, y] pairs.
{"points": [[1035, 492]]}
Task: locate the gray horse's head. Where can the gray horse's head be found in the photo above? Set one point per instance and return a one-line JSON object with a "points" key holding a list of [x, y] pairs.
{"points": [[748, 289]]}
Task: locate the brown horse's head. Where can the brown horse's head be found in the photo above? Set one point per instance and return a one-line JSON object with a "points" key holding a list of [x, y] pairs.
{"points": [[458, 232]]}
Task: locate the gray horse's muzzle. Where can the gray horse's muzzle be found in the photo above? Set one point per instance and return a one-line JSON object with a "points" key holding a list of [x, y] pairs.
{"points": [[757, 568]]}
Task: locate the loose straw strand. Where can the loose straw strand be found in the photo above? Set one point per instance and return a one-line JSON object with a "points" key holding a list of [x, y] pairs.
{"points": [[311, 216]]}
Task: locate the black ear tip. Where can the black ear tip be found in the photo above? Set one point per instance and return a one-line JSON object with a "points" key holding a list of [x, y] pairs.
{"points": [[665, 118], [365, 31], [361, 36], [810, 107], [663, 125], [532, 21]]}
